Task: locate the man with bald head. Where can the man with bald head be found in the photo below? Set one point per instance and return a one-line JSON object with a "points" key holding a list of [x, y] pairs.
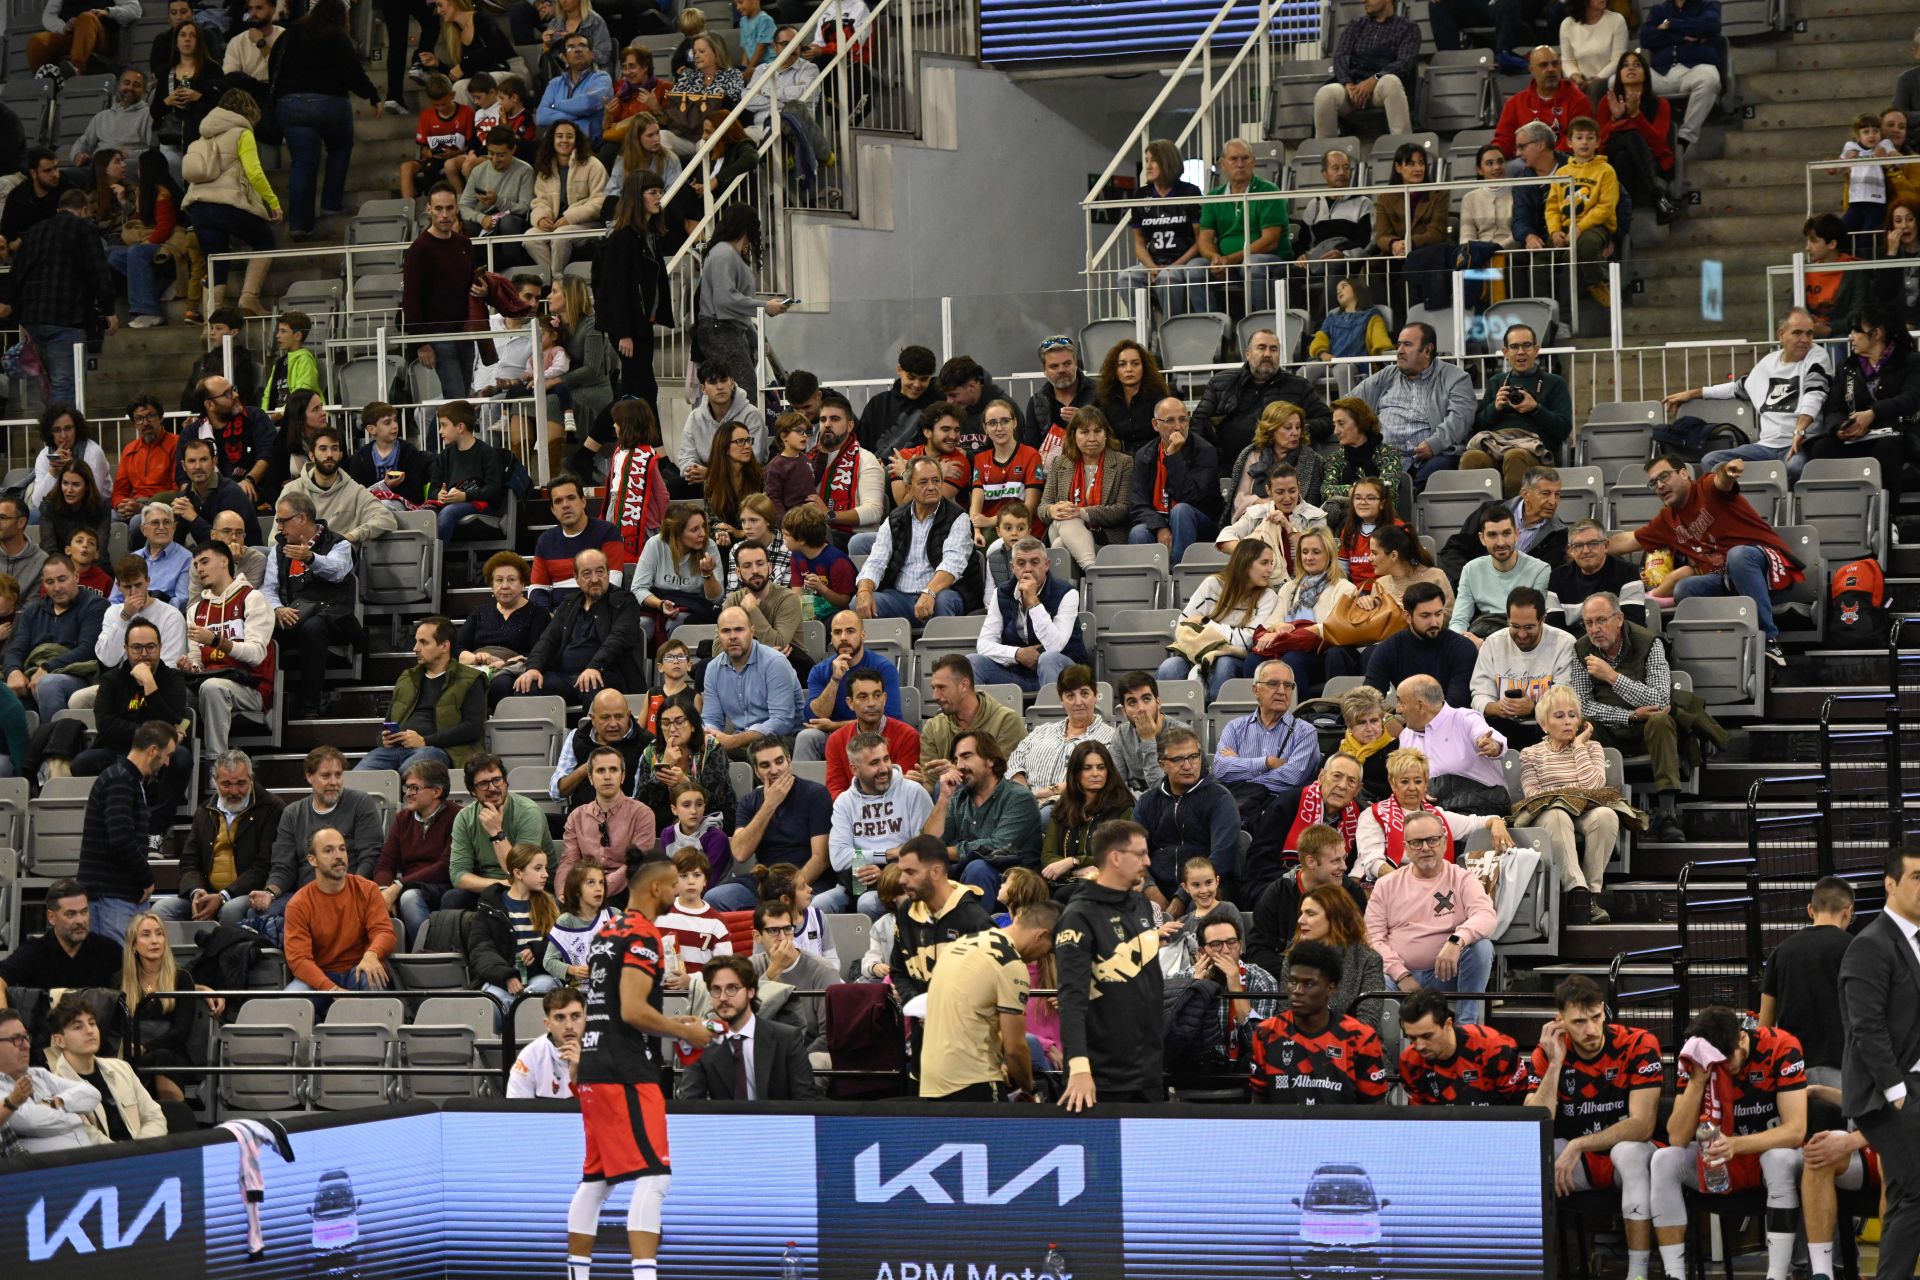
{"points": [[751, 691], [243, 437], [826, 707], [1238, 241], [249, 561], [338, 932], [1463, 752], [593, 641], [609, 723], [1175, 485]]}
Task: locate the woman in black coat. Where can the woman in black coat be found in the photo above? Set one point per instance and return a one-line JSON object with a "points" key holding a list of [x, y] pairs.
{"points": [[1876, 387], [630, 285]]}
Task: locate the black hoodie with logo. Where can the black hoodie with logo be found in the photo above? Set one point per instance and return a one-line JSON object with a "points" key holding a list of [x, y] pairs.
{"points": [[1106, 949]]}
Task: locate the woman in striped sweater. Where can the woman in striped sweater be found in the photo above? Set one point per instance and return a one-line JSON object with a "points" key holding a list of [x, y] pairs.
{"points": [[1571, 766]]}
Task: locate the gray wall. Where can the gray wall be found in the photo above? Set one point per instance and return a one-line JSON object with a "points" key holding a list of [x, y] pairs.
{"points": [[996, 227]]}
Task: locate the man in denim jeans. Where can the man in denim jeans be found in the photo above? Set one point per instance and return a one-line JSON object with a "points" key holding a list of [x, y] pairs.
{"points": [[60, 287]]}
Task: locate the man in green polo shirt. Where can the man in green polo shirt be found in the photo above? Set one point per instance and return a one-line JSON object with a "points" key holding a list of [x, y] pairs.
{"points": [[1230, 249]]}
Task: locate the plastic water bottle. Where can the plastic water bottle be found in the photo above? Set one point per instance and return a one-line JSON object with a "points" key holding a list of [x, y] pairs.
{"points": [[567, 424], [1714, 1172], [791, 1265], [1055, 1264]]}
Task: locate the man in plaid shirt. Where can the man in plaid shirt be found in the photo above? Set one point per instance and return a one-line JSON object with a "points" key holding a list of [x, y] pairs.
{"points": [[60, 287], [1372, 63]]}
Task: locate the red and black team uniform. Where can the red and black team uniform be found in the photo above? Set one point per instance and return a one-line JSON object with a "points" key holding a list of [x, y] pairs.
{"points": [[1003, 482], [1343, 1064], [619, 1088], [1775, 1066], [1486, 1070], [1594, 1091]]}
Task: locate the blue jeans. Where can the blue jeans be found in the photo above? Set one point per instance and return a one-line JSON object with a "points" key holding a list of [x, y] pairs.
{"points": [[312, 121], [349, 979], [1422, 471], [832, 902], [899, 604], [1190, 287], [112, 917], [135, 262], [1189, 525], [1745, 575], [987, 671], [734, 896], [414, 906], [450, 361], [398, 758], [219, 225], [981, 875], [1476, 970], [55, 345], [870, 905], [1223, 670], [538, 985], [450, 517], [859, 544], [1161, 293], [50, 699], [1756, 453]]}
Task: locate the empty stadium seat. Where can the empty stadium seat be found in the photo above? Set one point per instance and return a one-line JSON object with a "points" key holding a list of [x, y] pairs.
{"points": [[400, 570], [1125, 578], [1458, 93], [357, 1033], [847, 934], [1808, 597], [1202, 561], [1451, 497], [527, 729], [1097, 337], [1136, 639], [1844, 500], [447, 1031], [1290, 105], [265, 1032], [1583, 494], [1764, 484], [1717, 641], [1196, 338], [59, 814]]}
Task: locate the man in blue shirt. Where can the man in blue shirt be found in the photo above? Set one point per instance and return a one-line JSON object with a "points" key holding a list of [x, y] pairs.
{"points": [[1265, 759], [580, 96], [827, 708], [751, 690]]}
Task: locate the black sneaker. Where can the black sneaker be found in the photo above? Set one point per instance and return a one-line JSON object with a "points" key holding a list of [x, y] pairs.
{"points": [[1775, 654], [1597, 914], [1667, 829], [1576, 907]]}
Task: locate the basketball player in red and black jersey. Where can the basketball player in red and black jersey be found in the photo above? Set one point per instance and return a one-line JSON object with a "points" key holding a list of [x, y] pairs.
{"points": [[1456, 1065], [1602, 1082], [1306, 1057], [1757, 1097], [619, 1077]]}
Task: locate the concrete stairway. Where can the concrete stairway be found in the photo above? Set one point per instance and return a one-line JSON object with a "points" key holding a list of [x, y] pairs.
{"points": [[1804, 88]]}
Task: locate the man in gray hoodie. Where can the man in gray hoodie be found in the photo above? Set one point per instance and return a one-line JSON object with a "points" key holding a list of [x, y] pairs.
{"points": [[1424, 404], [126, 126], [881, 811], [1518, 665], [346, 505], [720, 405]]}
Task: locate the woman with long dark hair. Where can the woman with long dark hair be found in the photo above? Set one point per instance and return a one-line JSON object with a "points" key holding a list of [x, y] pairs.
{"points": [[317, 68], [65, 437], [569, 190], [1130, 385], [1876, 387], [630, 293], [1636, 130], [1414, 230], [1238, 599], [157, 223], [185, 92], [1095, 793], [73, 505], [732, 473], [723, 330]]}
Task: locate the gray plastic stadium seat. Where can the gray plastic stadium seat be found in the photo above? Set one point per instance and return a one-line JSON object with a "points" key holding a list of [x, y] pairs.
{"points": [[811, 770], [1289, 327], [1615, 446], [1463, 146], [1098, 336], [1844, 500], [1009, 696], [365, 379], [1195, 338], [941, 637], [357, 1033], [1583, 494], [1202, 561], [1452, 496], [59, 814], [383, 785], [894, 638], [1290, 102], [447, 1031], [400, 570], [1808, 597], [1717, 640], [848, 935], [1136, 639], [1126, 577], [1306, 162], [1535, 929], [532, 781], [1631, 505], [1459, 91], [527, 729], [266, 1032], [1735, 413], [1762, 481]]}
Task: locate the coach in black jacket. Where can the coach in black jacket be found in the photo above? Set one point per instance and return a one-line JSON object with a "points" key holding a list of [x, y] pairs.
{"points": [[1880, 1071], [777, 1061]]}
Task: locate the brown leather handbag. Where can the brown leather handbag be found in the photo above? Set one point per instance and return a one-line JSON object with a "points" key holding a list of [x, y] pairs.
{"points": [[1349, 624]]}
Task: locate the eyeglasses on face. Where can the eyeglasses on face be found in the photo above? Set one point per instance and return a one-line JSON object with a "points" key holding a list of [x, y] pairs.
{"points": [[1426, 842], [1191, 758]]}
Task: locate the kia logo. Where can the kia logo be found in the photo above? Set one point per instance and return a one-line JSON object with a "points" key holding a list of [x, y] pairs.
{"points": [[72, 1231], [1068, 1163]]}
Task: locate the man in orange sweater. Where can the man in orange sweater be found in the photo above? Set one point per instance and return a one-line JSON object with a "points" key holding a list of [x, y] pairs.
{"points": [[147, 464], [338, 933]]}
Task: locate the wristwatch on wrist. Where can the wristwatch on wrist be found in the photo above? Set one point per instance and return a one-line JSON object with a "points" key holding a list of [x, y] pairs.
{"points": [[1454, 938]]}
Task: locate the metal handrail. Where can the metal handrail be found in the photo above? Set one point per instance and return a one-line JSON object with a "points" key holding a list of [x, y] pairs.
{"points": [[1823, 166]]}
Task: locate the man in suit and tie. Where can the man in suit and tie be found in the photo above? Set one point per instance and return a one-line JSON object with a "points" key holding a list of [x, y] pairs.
{"points": [[1880, 1072], [758, 1059]]}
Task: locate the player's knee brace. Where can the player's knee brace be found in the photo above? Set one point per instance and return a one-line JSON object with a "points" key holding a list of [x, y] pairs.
{"points": [[1780, 1170], [649, 1194], [1633, 1170], [1673, 1169], [583, 1215]]}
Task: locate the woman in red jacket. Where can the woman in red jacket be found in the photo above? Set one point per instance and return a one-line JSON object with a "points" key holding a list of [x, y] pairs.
{"points": [[1636, 130]]}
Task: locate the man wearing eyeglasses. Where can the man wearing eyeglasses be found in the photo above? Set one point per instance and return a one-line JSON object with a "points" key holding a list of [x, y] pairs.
{"points": [[485, 830], [1051, 409], [147, 461], [1590, 570], [39, 1111], [1222, 959], [242, 436], [1430, 920], [1266, 759], [1530, 407], [1189, 813], [1174, 490]]}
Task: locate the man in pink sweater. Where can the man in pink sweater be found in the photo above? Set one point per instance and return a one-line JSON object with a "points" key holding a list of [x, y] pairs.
{"points": [[1430, 920]]}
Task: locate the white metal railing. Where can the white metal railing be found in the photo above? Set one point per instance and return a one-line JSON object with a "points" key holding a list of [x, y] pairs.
{"points": [[1829, 166]]}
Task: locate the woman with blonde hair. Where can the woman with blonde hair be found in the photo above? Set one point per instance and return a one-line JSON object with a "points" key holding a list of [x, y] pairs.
{"points": [[164, 1024], [1371, 736], [1279, 437], [1238, 601], [228, 196], [1328, 915], [1380, 841], [760, 526], [1302, 604], [1084, 500], [678, 576], [1564, 780]]}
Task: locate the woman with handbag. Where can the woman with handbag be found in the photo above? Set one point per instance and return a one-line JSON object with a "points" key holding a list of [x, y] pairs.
{"points": [[1399, 561], [1564, 779], [1216, 628], [1303, 604], [498, 635]]}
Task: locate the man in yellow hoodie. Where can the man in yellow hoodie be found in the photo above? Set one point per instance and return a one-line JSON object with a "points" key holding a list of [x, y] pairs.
{"points": [[1591, 205]]}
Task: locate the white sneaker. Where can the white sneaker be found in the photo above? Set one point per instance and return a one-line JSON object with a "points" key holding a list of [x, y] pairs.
{"points": [[146, 322], [393, 108]]}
